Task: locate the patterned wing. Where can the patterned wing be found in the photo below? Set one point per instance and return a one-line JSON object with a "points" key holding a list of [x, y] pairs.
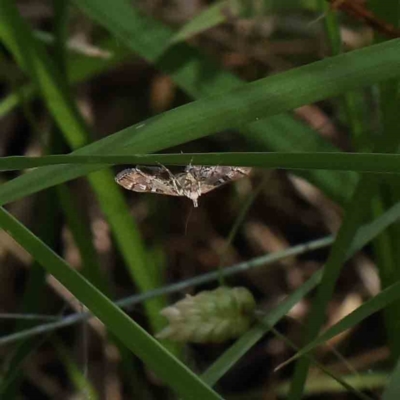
{"points": [[138, 181], [211, 178]]}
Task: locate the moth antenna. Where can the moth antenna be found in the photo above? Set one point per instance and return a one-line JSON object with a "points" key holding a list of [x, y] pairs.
{"points": [[189, 166]]}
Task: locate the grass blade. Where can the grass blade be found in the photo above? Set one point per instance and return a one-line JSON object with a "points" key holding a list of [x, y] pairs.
{"points": [[356, 162], [174, 373], [33, 58], [259, 99], [212, 16], [393, 387], [377, 303]]}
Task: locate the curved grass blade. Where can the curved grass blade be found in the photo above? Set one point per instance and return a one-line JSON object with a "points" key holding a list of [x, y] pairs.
{"points": [[33, 59], [168, 368], [364, 235], [198, 77], [242, 345], [129, 302], [258, 99]]}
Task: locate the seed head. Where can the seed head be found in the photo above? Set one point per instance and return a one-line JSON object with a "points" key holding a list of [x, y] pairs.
{"points": [[210, 316]]}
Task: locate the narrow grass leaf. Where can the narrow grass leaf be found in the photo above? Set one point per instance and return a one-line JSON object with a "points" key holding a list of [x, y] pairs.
{"points": [[242, 345], [81, 383], [377, 303], [386, 245], [81, 68], [364, 235], [258, 99], [33, 300], [199, 77], [34, 60], [168, 368], [131, 301], [354, 213], [326, 386], [212, 16], [356, 162], [392, 389]]}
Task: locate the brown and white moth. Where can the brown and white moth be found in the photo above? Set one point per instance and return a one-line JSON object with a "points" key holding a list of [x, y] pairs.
{"points": [[192, 183]]}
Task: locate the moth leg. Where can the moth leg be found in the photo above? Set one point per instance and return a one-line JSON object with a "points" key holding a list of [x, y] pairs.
{"points": [[148, 177], [165, 169], [172, 178]]}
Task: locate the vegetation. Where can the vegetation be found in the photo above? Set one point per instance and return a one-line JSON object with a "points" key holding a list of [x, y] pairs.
{"points": [[305, 92]]}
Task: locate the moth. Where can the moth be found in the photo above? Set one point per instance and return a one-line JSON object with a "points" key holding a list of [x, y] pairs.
{"points": [[192, 183]]}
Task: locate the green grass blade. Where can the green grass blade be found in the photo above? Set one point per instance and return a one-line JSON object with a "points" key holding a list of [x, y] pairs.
{"points": [[81, 69], [242, 345], [212, 16], [33, 59], [255, 100], [355, 162], [354, 214], [9, 102], [33, 300], [284, 134], [82, 385], [188, 69], [392, 389], [377, 303], [334, 376], [325, 386], [18, 38], [128, 238], [174, 373], [364, 235], [80, 230], [386, 246], [352, 103], [129, 302]]}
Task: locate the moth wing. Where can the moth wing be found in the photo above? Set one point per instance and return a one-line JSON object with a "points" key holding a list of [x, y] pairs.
{"points": [[213, 177], [136, 180]]}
